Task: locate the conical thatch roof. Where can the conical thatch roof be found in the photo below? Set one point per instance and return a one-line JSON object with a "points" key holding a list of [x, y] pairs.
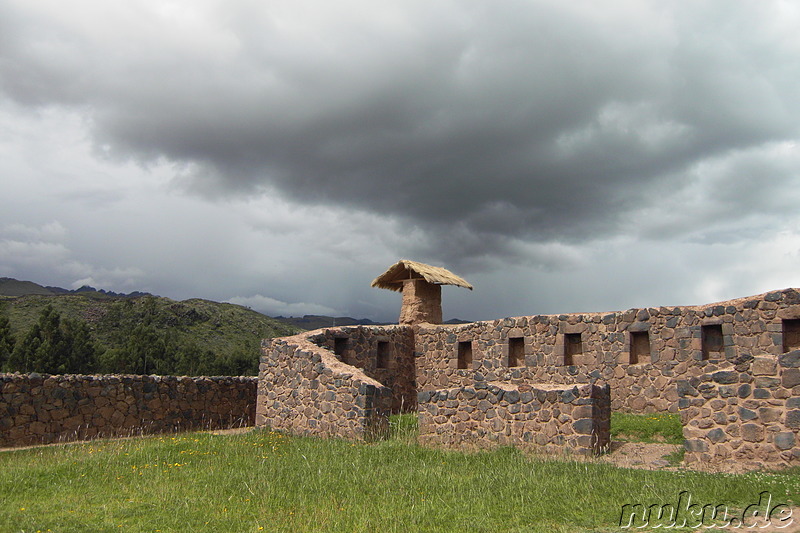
{"points": [[393, 278]]}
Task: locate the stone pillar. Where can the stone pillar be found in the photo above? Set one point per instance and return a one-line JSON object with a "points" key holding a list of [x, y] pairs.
{"points": [[422, 302]]}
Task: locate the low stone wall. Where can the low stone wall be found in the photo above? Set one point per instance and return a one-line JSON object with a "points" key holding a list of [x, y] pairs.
{"points": [[304, 389], [41, 409], [543, 418], [744, 417]]}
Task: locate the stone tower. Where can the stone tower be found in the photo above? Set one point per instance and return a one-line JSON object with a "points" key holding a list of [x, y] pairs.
{"points": [[421, 286]]}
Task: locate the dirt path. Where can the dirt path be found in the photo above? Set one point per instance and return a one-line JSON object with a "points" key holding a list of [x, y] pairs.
{"points": [[646, 456]]}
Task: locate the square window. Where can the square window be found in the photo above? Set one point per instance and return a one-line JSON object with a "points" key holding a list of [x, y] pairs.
{"points": [[516, 351], [465, 354], [640, 347], [712, 341], [573, 346]]}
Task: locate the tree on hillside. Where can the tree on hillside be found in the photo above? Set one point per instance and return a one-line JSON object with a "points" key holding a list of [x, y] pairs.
{"points": [[82, 352], [55, 346], [242, 361], [144, 350], [7, 341], [192, 360]]}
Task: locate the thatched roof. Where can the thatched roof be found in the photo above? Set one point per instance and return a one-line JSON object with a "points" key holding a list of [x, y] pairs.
{"points": [[393, 278]]}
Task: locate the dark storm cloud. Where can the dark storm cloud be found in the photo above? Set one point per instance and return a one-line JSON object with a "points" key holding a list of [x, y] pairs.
{"points": [[485, 125]]}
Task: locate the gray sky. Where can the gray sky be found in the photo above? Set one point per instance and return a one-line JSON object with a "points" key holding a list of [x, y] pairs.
{"points": [[561, 156]]}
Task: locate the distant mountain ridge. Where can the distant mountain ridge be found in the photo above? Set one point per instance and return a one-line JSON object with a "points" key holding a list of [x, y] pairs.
{"points": [[11, 287], [310, 322], [15, 287]]}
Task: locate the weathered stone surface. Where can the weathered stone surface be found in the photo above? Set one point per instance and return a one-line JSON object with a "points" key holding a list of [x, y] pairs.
{"points": [[71, 407], [581, 423], [793, 419], [584, 426], [785, 440], [790, 359], [717, 435], [747, 414], [790, 377], [752, 432], [765, 366], [695, 446], [725, 376]]}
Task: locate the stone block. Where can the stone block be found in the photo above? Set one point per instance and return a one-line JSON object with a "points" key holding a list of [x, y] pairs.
{"points": [[717, 435], [424, 396], [764, 382], [769, 414], [785, 440], [793, 402], [685, 388], [790, 377], [695, 445], [725, 377], [762, 394], [752, 432], [793, 419], [790, 359], [584, 426], [765, 366], [747, 414]]}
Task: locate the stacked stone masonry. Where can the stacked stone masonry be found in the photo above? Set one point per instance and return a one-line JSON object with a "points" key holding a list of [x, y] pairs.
{"points": [[546, 419], [305, 389], [641, 355], [42, 409], [748, 326], [746, 416], [384, 353]]}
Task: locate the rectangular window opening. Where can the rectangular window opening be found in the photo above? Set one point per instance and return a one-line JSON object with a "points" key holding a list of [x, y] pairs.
{"points": [[573, 346], [465, 354], [516, 351], [340, 347], [712, 342], [383, 354], [791, 334], [640, 347]]}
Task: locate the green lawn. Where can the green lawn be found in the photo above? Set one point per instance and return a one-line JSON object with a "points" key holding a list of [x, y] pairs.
{"points": [[262, 479], [657, 427]]}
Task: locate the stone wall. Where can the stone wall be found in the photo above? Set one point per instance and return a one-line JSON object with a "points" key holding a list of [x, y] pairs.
{"points": [[744, 417], [640, 355], [40, 409], [544, 418], [384, 353], [304, 389], [666, 344]]}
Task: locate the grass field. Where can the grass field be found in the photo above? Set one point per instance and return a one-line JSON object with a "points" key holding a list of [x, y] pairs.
{"points": [[265, 481], [657, 427]]}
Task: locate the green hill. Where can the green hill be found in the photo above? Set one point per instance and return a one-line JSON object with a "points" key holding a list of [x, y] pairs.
{"points": [[204, 335], [14, 287]]}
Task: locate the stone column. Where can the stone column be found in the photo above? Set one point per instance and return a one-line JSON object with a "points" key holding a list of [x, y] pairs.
{"points": [[422, 302]]}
